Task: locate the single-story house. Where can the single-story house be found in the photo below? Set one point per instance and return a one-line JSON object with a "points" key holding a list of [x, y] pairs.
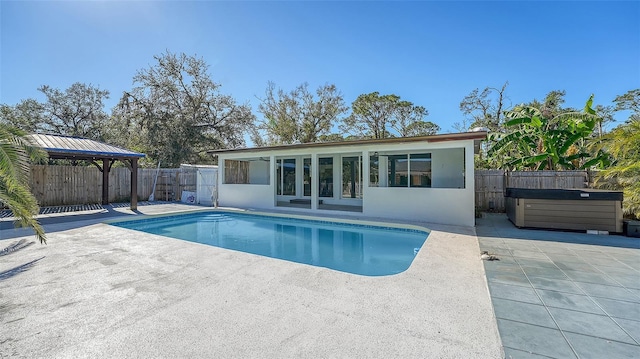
{"points": [[425, 178]]}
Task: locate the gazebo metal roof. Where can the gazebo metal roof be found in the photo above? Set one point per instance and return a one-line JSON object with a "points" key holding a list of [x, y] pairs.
{"points": [[69, 147]]}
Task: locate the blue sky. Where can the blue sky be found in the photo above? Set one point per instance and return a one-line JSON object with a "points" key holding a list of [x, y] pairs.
{"points": [[430, 53]]}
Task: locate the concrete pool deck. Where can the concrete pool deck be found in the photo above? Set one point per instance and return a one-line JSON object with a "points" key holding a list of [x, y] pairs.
{"points": [[102, 291]]}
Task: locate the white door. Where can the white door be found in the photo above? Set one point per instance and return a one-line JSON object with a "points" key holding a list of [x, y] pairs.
{"points": [[206, 186]]}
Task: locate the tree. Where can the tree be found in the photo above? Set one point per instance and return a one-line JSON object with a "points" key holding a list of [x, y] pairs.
{"points": [[332, 137], [370, 115], [408, 121], [551, 107], [383, 116], [27, 115], [77, 111], [462, 126], [299, 115], [539, 142], [605, 115], [177, 112], [623, 143], [420, 128], [553, 101], [630, 101], [15, 154], [484, 108]]}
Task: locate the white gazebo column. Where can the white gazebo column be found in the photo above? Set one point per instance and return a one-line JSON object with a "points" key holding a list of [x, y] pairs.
{"points": [[315, 181]]}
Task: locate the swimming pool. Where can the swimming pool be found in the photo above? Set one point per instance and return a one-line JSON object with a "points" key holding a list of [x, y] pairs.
{"points": [[353, 248]]}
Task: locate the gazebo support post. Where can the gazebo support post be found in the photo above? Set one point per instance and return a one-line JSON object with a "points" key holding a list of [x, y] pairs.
{"points": [[106, 166], [134, 184]]}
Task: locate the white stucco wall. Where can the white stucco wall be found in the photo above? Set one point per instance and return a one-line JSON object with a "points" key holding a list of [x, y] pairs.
{"points": [[436, 205], [246, 196], [453, 204]]}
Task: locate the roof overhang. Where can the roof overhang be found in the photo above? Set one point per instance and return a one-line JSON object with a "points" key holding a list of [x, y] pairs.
{"points": [[477, 137]]}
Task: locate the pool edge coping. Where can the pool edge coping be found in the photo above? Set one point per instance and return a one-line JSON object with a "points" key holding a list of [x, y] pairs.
{"points": [[360, 222]]}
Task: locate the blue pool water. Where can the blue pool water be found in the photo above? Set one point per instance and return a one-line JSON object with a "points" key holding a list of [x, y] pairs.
{"points": [[359, 249]]}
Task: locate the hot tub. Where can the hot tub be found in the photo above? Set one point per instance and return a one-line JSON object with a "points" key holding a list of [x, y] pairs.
{"points": [[574, 209]]}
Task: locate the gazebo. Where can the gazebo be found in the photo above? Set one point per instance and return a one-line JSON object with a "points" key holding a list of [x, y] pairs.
{"points": [[78, 148]]}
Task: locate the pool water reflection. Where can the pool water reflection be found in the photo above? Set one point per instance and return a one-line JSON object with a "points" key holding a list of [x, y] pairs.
{"points": [[358, 249]]}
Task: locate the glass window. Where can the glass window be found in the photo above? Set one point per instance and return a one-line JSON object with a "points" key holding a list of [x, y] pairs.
{"points": [[236, 172], [289, 177], [249, 171], [325, 177], [410, 170], [398, 171], [374, 171], [420, 170], [352, 177]]}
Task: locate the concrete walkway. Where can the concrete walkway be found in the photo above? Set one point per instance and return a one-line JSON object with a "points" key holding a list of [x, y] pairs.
{"points": [[99, 291], [563, 294]]}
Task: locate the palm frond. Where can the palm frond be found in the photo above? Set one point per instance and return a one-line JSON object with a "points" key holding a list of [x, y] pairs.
{"points": [[16, 153]]}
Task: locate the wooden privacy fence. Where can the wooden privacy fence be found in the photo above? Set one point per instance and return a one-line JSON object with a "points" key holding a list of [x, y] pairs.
{"points": [[67, 185], [491, 184]]}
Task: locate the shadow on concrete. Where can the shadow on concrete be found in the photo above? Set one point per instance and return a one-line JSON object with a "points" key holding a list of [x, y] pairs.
{"points": [[19, 269], [12, 248], [71, 217], [498, 225], [69, 220]]}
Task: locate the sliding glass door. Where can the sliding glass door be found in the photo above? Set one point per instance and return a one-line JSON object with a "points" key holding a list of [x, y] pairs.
{"points": [[325, 176], [306, 177], [286, 176], [352, 177]]}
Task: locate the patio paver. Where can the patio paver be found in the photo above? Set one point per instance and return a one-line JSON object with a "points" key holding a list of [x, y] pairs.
{"points": [[577, 302], [589, 347], [534, 339], [562, 294]]}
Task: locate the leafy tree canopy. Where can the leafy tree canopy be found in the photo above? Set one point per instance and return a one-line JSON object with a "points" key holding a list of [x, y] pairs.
{"points": [[623, 143], [630, 101], [27, 115], [483, 109], [76, 111], [177, 112], [332, 137], [408, 121], [540, 142], [382, 116], [299, 116]]}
